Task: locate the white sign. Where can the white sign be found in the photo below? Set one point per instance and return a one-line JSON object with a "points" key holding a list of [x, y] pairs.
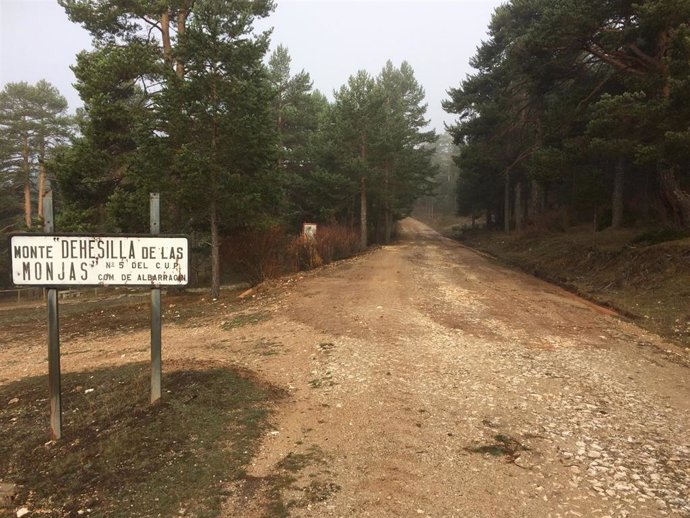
{"points": [[309, 230], [65, 260]]}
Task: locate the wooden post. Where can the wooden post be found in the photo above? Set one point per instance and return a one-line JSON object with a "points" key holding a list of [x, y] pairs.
{"points": [[156, 363], [54, 377]]}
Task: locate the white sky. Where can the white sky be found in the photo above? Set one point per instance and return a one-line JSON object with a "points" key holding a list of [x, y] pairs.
{"points": [[329, 39]]}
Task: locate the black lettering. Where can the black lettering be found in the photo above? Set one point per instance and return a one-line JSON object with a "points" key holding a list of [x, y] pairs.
{"points": [[61, 275], [49, 271], [84, 272], [26, 271], [131, 250], [72, 273], [38, 271]]}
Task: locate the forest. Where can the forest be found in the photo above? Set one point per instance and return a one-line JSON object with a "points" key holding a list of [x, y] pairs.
{"points": [[577, 113], [183, 98]]}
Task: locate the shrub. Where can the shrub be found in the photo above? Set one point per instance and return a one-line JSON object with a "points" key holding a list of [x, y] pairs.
{"points": [[270, 253]]}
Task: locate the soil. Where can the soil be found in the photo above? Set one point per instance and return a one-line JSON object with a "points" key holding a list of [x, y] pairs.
{"points": [[642, 273], [422, 379]]}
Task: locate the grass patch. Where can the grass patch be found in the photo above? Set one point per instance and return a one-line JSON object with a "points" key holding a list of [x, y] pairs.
{"points": [[122, 457], [503, 445], [662, 235], [287, 488], [245, 319], [266, 347], [324, 381]]}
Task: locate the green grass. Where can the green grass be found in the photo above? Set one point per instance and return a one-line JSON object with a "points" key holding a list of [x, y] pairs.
{"points": [[122, 457], [245, 320], [503, 445], [286, 488]]}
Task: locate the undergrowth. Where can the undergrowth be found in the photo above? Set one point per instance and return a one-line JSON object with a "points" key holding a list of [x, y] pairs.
{"points": [[264, 254], [122, 457], [643, 274]]}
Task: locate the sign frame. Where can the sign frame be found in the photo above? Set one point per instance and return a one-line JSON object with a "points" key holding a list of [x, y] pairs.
{"points": [[105, 283]]}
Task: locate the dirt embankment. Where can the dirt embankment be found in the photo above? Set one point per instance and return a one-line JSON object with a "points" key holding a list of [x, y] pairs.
{"points": [[628, 270]]}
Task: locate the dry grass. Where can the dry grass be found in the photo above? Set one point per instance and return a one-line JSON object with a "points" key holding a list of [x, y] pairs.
{"points": [[120, 456], [643, 278], [270, 253]]}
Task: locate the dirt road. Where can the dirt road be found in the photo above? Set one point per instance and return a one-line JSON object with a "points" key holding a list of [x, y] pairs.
{"points": [[423, 379], [427, 381]]}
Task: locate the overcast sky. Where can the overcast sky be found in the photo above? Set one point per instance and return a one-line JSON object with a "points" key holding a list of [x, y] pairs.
{"points": [[330, 39]]}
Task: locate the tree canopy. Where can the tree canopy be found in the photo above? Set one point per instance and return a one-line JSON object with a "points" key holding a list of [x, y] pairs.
{"points": [[184, 99], [576, 107]]}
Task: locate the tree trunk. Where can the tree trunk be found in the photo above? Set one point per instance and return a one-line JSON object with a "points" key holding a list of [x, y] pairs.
{"points": [[215, 250], [519, 211], [389, 226], [27, 182], [535, 205], [617, 204], [388, 215], [362, 213], [181, 28], [677, 199], [41, 187], [215, 189], [165, 37], [41, 178], [363, 238], [506, 204]]}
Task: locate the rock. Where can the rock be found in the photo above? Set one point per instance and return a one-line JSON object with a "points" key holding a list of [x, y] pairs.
{"points": [[22, 512], [13, 401]]}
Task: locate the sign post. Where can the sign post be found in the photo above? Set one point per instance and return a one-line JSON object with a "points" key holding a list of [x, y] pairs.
{"points": [[156, 325], [54, 261], [54, 376]]}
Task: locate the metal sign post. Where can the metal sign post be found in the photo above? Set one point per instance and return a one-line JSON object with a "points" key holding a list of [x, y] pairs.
{"points": [[54, 381], [156, 324], [53, 261]]}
